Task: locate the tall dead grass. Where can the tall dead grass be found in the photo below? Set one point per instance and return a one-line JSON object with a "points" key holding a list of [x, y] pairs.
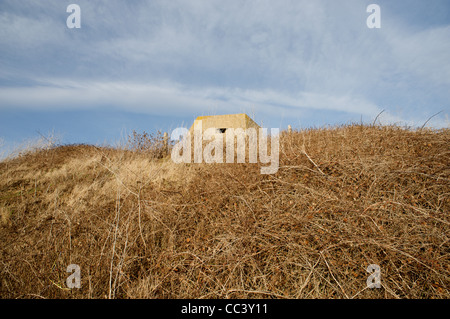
{"points": [[144, 227]]}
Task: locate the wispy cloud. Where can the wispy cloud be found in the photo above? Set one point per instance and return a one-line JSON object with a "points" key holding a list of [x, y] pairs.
{"points": [[185, 57]]}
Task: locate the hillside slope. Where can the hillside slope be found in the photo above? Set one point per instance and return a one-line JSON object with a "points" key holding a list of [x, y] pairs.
{"points": [[343, 198]]}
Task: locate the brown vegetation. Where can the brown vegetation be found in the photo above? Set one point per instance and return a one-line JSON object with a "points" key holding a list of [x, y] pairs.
{"points": [[141, 226]]}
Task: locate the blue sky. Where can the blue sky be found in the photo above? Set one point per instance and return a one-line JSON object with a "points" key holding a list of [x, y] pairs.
{"points": [[156, 65]]}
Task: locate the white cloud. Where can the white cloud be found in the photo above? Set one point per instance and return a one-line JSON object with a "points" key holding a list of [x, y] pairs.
{"points": [[18, 32], [424, 54], [172, 99], [183, 57]]}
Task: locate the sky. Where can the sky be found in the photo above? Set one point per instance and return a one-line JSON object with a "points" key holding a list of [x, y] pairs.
{"points": [[157, 65]]}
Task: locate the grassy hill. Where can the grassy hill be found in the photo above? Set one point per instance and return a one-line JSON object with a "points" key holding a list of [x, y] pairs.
{"points": [[141, 226]]}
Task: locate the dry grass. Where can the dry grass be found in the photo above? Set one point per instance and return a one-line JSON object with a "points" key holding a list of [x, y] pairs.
{"points": [[144, 227]]}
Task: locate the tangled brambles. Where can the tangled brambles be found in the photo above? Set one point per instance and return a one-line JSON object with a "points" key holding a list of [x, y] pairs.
{"points": [[343, 198], [154, 145]]}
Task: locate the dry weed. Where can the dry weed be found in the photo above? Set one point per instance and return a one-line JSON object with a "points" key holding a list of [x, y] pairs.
{"points": [[142, 227]]}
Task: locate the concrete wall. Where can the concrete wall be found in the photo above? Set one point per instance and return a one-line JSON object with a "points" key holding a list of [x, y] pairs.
{"points": [[241, 120]]}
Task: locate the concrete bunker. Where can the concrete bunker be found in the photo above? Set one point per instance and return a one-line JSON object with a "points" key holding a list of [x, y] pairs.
{"points": [[223, 122]]}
